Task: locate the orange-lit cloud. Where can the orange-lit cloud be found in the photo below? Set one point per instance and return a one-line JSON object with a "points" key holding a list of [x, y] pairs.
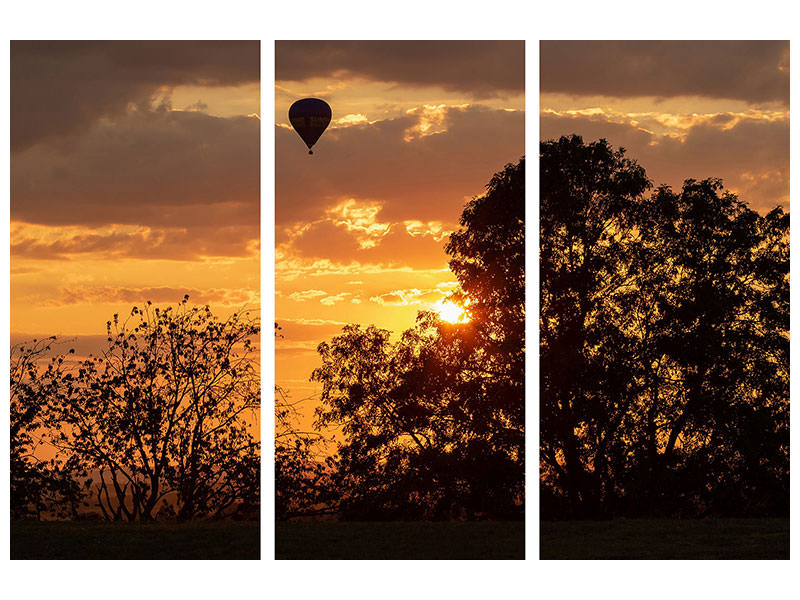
{"points": [[116, 295], [425, 179], [306, 295], [199, 243], [360, 218], [434, 229], [750, 154], [409, 297]]}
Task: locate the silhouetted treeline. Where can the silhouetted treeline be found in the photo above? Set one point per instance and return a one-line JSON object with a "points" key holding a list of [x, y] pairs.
{"points": [[156, 426], [433, 424], [664, 343]]}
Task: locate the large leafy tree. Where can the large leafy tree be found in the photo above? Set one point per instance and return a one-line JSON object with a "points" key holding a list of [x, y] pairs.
{"points": [[433, 423], [161, 417], [718, 350], [488, 259], [664, 343]]}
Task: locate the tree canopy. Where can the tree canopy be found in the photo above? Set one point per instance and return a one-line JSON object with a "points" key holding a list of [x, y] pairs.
{"points": [[433, 423], [664, 343]]}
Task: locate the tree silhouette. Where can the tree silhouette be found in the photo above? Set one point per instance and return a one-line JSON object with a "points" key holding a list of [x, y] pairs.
{"points": [[664, 343], [159, 417], [302, 468], [434, 423], [38, 486]]}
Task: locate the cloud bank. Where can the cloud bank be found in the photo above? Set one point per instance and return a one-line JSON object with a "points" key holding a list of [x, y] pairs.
{"points": [[479, 68], [752, 71]]}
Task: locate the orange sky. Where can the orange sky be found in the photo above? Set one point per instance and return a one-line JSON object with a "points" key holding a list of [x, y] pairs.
{"points": [[681, 109], [418, 128], [134, 176]]}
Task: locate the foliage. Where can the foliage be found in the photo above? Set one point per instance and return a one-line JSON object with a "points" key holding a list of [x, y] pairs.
{"points": [[664, 343], [302, 467], [37, 486], [433, 423], [159, 417]]}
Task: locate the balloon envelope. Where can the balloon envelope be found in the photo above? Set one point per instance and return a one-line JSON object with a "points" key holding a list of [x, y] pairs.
{"points": [[310, 117]]}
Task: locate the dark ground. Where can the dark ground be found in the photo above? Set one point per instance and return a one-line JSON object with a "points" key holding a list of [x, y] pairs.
{"points": [[400, 540], [666, 539], [102, 540]]}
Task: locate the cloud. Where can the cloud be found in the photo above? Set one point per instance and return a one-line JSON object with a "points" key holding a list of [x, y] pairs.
{"points": [[331, 300], [290, 267], [350, 119], [202, 243], [360, 219], [750, 155], [306, 295], [306, 333], [434, 229], [479, 68], [61, 88], [68, 295], [425, 179], [752, 71], [409, 297], [143, 168], [431, 119], [398, 246], [188, 181]]}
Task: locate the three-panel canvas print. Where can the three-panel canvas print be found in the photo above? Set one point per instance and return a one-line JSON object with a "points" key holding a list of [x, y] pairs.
{"points": [[650, 251]]}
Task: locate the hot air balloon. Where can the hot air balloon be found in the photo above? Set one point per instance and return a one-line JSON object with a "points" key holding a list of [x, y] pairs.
{"points": [[310, 117]]}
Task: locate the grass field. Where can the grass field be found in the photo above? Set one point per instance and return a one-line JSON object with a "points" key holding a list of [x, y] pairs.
{"points": [[90, 540], [666, 539], [400, 540]]}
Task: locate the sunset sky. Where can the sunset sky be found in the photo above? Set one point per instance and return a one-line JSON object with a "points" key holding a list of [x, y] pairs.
{"points": [[134, 176], [418, 128], [681, 109]]}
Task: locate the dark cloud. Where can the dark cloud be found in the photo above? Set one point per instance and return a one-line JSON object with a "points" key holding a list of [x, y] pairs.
{"points": [[479, 68], [180, 170], [424, 179], [751, 157], [752, 71], [60, 88]]}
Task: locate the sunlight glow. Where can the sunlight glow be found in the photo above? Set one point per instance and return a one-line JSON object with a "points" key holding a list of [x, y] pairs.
{"points": [[450, 311]]}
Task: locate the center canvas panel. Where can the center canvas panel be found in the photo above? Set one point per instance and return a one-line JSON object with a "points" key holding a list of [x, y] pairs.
{"points": [[400, 289]]}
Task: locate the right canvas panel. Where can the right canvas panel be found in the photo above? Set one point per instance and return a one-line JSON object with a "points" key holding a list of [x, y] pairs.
{"points": [[664, 306]]}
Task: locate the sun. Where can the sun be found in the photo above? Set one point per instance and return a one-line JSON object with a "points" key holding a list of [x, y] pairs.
{"points": [[450, 311]]}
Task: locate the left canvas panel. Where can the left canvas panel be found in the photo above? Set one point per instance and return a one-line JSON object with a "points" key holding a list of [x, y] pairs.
{"points": [[135, 295]]}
